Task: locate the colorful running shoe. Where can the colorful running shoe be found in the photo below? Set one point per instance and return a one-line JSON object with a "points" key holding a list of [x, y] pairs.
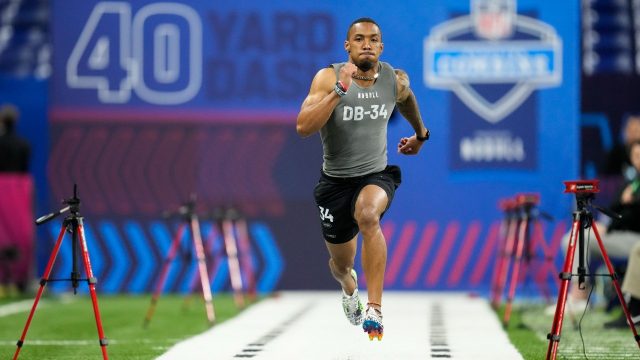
{"points": [[351, 305], [373, 323]]}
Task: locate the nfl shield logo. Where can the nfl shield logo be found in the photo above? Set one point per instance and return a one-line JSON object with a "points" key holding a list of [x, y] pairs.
{"points": [[493, 19], [498, 57]]}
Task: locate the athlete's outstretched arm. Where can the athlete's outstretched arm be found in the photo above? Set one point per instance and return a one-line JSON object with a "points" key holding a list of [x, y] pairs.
{"points": [[408, 107]]}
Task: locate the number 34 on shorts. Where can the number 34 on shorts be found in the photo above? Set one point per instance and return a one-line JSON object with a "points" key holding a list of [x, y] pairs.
{"points": [[325, 214]]}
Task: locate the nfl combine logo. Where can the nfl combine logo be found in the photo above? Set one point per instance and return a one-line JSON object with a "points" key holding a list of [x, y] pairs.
{"points": [[492, 45]]}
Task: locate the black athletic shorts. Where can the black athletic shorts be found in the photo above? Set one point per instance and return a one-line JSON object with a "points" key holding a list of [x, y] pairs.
{"points": [[336, 200]]}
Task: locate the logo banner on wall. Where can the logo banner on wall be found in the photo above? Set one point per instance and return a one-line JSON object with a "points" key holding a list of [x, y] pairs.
{"points": [[493, 59]]}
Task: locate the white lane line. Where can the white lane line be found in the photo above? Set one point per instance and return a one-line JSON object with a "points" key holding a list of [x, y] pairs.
{"points": [[28, 342], [92, 342], [311, 326], [17, 307], [474, 331]]}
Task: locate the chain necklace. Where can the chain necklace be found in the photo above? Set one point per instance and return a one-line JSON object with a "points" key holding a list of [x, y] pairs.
{"points": [[365, 78]]}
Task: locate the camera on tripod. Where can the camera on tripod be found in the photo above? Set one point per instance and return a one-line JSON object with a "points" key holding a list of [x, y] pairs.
{"points": [[582, 186], [585, 191], [527, 199], [507, 204]]}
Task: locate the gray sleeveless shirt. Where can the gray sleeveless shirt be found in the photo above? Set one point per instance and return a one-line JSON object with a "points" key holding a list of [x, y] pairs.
{"points": [[355, 137]]}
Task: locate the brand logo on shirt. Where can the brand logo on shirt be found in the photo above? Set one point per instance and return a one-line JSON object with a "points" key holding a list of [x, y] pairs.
{"points": [[368, 95]]}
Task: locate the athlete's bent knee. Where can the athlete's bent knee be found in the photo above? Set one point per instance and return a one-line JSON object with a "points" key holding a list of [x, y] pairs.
{"points": [[368, 218]]}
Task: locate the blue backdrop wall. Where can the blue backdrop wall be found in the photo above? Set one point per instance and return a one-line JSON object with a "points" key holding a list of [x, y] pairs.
{"points": [[153, 101]]}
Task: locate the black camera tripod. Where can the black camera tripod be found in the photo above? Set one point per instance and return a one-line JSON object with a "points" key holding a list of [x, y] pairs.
{"points": [[582, 219], [73, 224]]}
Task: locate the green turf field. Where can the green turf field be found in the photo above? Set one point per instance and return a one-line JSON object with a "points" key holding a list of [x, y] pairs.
{"points": [[529, 326], [64, 328]]}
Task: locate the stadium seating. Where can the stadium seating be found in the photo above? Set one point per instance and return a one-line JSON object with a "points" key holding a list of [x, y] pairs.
{"points": [[24, 38], [611, 37]]}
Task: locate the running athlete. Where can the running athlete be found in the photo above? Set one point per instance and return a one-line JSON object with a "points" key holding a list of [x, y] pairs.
{"points": [[350, 103]]}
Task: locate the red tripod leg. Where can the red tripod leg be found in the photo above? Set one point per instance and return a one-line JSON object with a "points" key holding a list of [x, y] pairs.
{"points": [[565, 279], [215, 253], [517, 262], [245, 256], [538, 237], [202, 267], [232, 259], [164, 272], [614, 278], [505, 261], [43, 282], [498, 268], [92, 288]]}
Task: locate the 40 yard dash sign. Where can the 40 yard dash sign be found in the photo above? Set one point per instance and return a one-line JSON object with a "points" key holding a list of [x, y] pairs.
{"points": [[155, 52]]}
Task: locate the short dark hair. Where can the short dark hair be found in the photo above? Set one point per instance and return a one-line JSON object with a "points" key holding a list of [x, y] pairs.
{"points": [[361, 20]]}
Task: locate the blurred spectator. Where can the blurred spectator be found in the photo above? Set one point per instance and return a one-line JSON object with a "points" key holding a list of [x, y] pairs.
{"points": [[627, 203], [14, 150], [618, 162], [631, 289], [16, 234], [629, 208]]}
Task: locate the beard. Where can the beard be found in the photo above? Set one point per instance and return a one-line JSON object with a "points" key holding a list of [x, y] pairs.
{"points": [[365, 65]]}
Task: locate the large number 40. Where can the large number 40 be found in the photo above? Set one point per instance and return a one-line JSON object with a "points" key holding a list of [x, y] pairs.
{"points": [[116, 54]]}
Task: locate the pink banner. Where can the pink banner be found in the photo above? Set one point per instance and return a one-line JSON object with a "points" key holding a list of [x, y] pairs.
{"points": [[16, 229]]}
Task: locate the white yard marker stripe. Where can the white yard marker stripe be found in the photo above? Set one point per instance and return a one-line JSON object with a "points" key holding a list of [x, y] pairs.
{"points": [[87, 342], [17, 307], [310, 326], [53, 342]]}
